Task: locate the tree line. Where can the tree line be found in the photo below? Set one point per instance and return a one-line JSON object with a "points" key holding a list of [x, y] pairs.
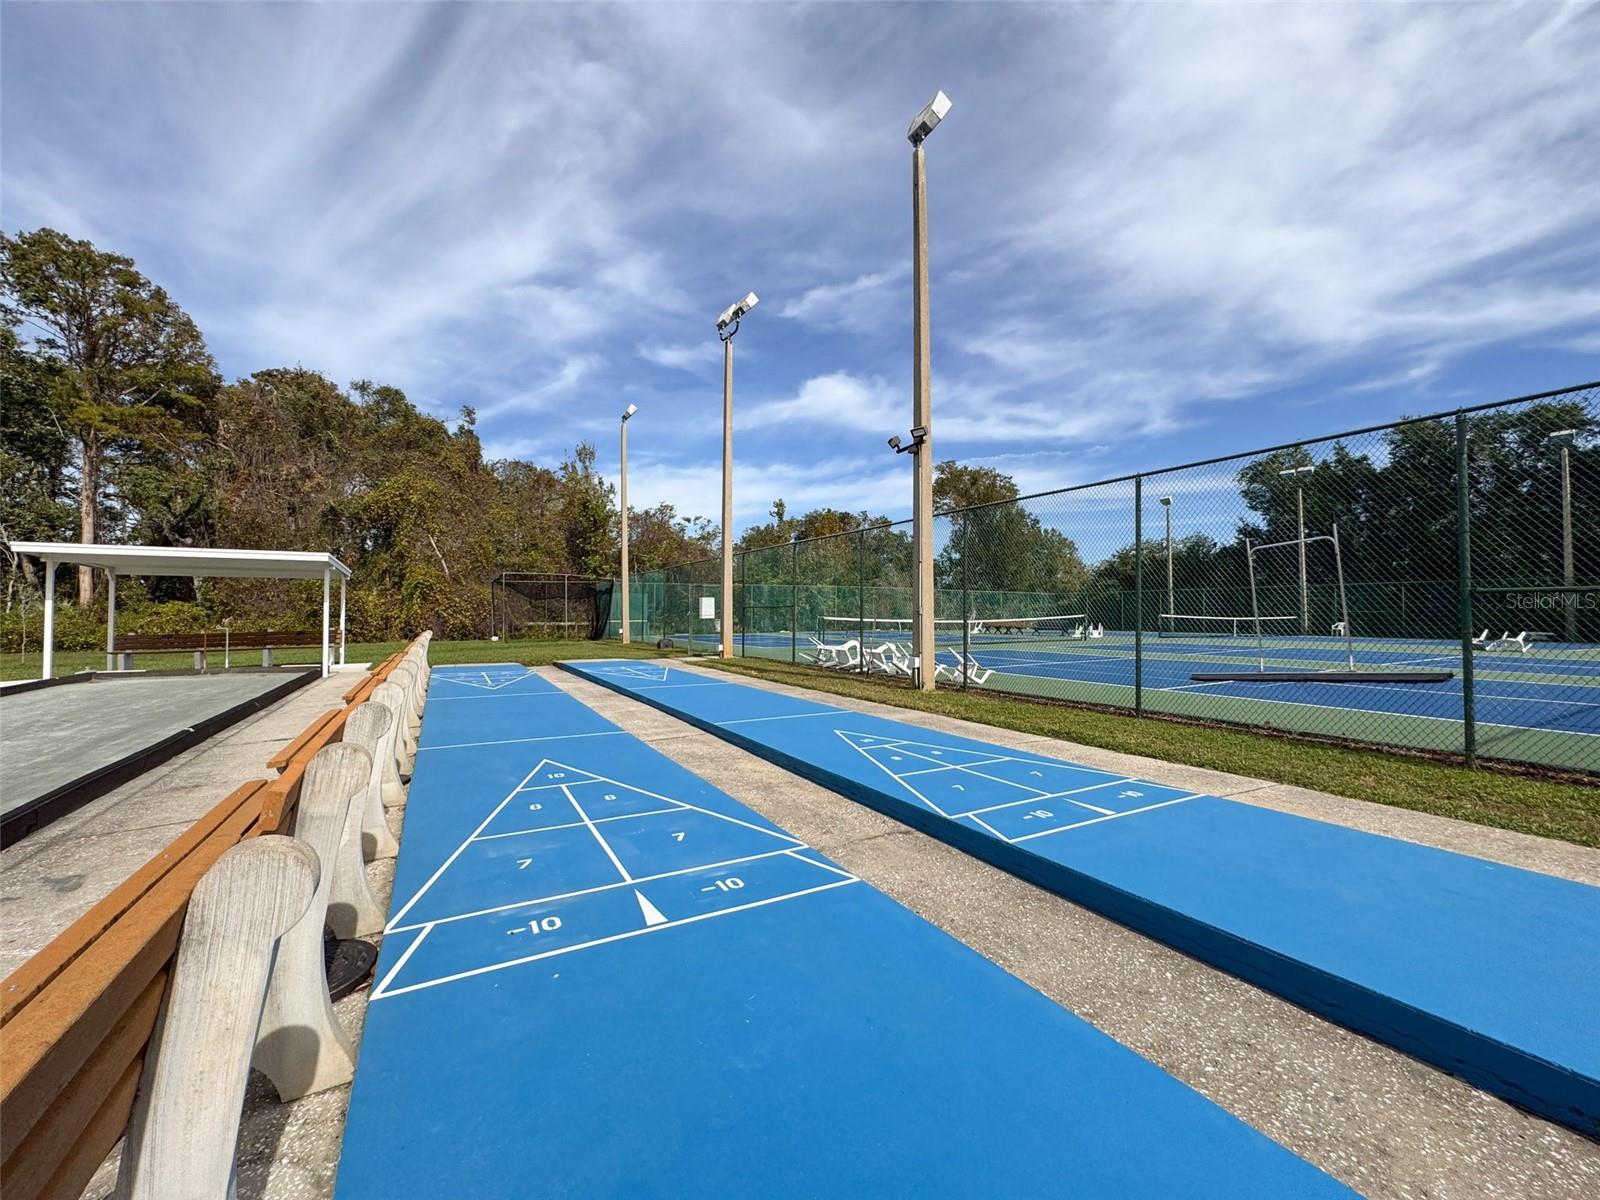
{"points": [[116, 426]]}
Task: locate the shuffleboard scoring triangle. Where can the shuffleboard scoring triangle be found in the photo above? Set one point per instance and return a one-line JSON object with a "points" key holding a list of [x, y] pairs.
{"points": [[550, 773], [652, 914]]}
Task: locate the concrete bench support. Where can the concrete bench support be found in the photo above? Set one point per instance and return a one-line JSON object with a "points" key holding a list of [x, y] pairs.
{"points": [[301, 1046], [393, 791], [404, 677], [185, 1125], [369, 726]]}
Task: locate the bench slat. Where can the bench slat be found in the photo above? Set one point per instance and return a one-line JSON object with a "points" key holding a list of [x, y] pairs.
{"points": [[33, 976], [51, 1142], [284, 757], [49, 1040], [102, 1133]]}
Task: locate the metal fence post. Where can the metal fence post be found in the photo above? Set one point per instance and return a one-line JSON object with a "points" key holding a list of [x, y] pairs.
{"points": [[861, 596], [794, 602], [744, 597], [1138, 595], [966, 599], [1469, 714]]}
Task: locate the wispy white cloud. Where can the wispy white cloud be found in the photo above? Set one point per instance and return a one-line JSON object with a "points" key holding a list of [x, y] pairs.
{"points": [[1158, 231]]}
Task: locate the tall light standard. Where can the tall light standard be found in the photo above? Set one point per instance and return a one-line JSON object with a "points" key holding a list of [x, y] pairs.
{"points": [[727, 326], [1166, 504], [1563, 438], [627, 627], [921, 395], [1300, 520]]}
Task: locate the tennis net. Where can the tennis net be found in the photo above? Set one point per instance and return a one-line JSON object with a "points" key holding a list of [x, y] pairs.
{"points": [[1194, 625], [953, 631]]}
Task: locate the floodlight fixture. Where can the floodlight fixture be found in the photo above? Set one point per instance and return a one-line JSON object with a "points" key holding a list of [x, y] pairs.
{"points": [[1564, 435], [919, 434], [1166, 501], [629, 411], [932, 113], [732, 314], [1298, 470], [894, 443]]}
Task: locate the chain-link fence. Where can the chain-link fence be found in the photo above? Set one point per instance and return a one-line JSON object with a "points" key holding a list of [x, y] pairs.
{"points": [[1433, 584]]}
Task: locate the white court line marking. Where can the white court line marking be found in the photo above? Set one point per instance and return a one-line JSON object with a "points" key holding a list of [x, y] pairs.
{"points": [[395, 970], [1038, 793], [992, 830], [1066, 795], [604, 887], [823, 712], [554, 737], [826, 866], [654, 812], [616, 937], [604, 845], [493, 694], [982, 762], [1116, 816], [456, 853]]}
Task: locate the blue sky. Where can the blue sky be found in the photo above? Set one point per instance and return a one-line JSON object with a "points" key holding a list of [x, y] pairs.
{"points": [[1158, 232]]}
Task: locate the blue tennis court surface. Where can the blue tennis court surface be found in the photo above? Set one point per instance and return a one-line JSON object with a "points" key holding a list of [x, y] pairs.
{"points": [[1542, 706], [603, 977], [1485, 970]]}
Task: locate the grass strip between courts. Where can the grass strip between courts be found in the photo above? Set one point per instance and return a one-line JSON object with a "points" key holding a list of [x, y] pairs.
{"points": [[1546, 808]]}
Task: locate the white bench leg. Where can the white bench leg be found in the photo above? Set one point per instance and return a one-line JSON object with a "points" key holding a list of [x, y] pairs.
{"points": [[368, 727], [185, 1125], [394, 793], [301, 1046]]}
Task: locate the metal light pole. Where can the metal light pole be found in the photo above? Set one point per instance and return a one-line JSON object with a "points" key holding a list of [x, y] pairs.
{"points": [[627, 627], [1166, 503], [1563, 438], [1300, 518], [923, 647], [727, 326]]}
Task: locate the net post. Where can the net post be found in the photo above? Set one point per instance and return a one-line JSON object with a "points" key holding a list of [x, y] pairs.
{"points": [[1344, 608], [1469, 715], [1138, 595]]}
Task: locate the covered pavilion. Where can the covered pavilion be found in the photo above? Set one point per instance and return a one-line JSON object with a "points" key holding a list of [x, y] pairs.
{"points": [[187, 561]]}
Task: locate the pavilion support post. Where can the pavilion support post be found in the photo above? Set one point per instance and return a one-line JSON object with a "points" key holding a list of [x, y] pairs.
{"points": [[326, 598], [111, 619], [49, 637], [341, 619]]}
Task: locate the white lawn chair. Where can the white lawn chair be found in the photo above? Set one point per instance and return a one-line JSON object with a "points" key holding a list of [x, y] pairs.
{"points": [[970, 671], [1097, 631]]}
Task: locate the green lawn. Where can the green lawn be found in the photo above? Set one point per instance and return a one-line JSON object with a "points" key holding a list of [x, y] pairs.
{"points": [[69, 662], [1543, 807]]}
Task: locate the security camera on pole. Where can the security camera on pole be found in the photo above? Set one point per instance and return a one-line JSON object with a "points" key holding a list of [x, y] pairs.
{"points": [[921, 399], [727, 326]]}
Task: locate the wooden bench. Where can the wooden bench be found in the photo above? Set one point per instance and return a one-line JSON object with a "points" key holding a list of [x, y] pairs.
{"points": [[126, 645], [77, 1017]]}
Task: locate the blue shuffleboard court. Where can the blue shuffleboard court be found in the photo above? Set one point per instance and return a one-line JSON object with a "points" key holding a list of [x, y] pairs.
{"points": [[604, 977], [1485, 970]]}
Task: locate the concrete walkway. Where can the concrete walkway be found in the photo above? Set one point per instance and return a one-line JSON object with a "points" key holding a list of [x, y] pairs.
{"points": [[54, 875], [1384, 1123]]}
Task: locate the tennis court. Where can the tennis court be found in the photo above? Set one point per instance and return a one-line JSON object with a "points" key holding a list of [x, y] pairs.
{"points": [[602, 976], [1479, 968], [1540, 706]]}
